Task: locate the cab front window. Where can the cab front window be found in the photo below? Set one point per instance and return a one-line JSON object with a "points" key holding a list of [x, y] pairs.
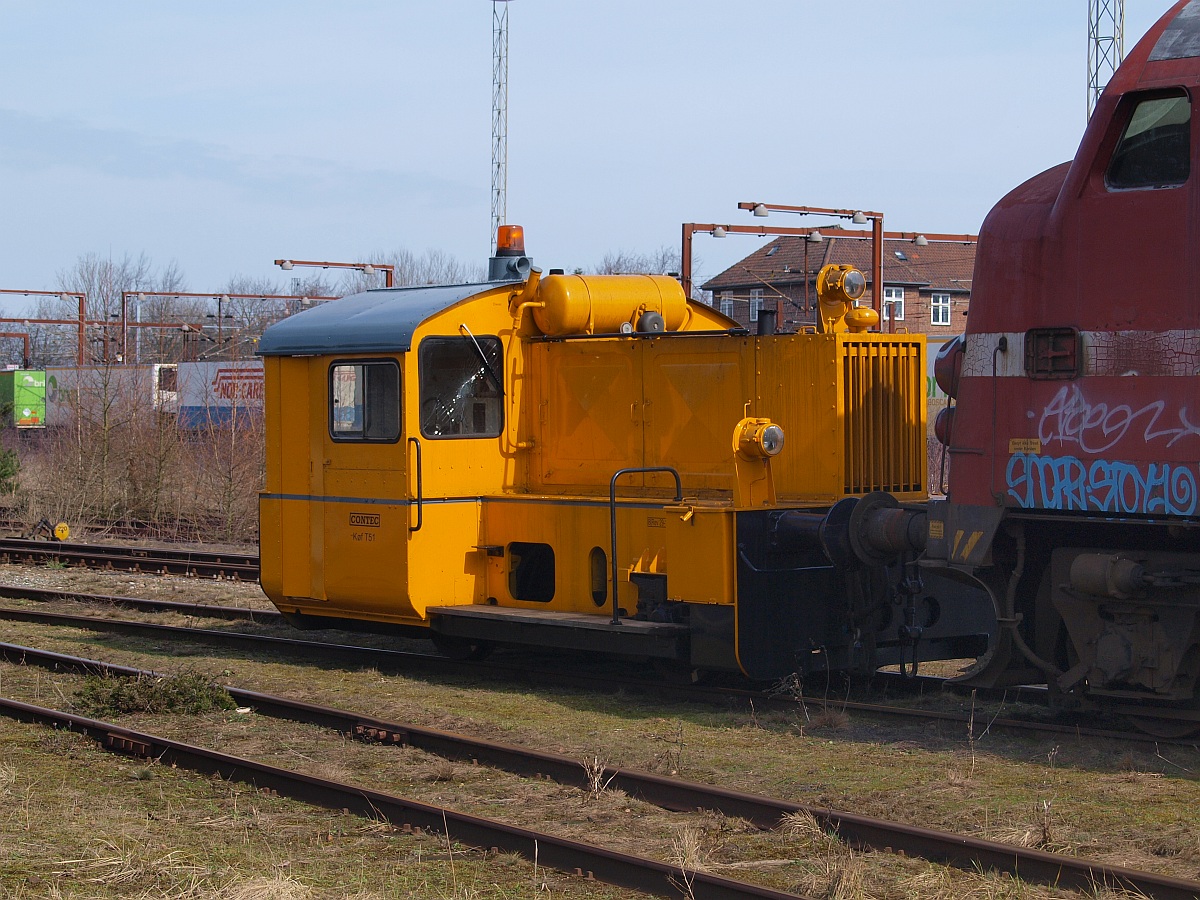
{"points": [[1155, 148], [461, 387]]}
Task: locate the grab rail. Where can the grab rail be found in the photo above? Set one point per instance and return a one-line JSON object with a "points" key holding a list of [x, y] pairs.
{"points": [[412, 529], [612, 521]]}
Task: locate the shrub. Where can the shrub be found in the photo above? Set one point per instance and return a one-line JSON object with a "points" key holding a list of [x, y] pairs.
{"points": [[188, 693]]}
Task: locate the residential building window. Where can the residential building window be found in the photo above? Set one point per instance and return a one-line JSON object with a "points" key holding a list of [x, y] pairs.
{"points": [[727, 303], [939, 309], [755, 303], [893, 303]]}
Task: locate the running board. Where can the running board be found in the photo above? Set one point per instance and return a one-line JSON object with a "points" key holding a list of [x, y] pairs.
{"points": [[561, 630]]}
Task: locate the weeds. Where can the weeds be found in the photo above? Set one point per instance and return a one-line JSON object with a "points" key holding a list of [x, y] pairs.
{"points": [[804, 826], [839, 874], [826, 715], [443, 770], [690, 852], [1039, 834], [116, 459], [971, 735], [672, 758], [123, 865], [188, 693], [1046, 823], [594, 769], [280, 887], [845, 877]]}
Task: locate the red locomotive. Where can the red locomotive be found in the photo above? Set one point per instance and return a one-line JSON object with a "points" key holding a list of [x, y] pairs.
{"points": [[1074, 439]]}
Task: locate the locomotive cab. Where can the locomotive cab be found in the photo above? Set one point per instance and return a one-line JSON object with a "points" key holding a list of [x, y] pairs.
{"points": [[596, 463]]}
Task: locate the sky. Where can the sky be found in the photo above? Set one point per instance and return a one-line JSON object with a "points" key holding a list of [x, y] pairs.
{"points": [[223, 135]]}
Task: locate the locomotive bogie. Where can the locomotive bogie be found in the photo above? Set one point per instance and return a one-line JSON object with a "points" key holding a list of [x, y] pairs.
{"points": [[1130, 619]]}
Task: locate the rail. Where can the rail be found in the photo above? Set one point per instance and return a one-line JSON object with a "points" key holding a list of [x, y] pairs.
{"points": [[400, 660], [587, 860], [149, 560], [964, 851]]}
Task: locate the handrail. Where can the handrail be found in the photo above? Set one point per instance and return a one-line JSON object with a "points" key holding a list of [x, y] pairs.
{"points": [[413, 529], [612, 521]]}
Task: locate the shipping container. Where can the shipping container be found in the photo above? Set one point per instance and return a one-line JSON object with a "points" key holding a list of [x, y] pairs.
{"points": [[23, 398]]}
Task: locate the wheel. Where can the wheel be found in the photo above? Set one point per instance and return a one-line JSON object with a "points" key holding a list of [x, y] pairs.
{"points": [[460, 648], [1167, 729]]}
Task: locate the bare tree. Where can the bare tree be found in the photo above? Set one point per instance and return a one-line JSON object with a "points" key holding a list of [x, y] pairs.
{"points": [[430, 267], [248, 305], [103, 281], [665, 260]]}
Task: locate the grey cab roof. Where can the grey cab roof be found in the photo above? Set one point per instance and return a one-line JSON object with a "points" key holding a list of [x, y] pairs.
{"points": [[377, 321]]}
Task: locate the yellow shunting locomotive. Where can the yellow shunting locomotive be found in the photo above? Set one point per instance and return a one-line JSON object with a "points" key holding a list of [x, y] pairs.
{"points": [[598, 463]]}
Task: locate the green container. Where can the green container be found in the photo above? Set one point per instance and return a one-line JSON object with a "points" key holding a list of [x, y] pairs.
{"points": [[23, 398]]}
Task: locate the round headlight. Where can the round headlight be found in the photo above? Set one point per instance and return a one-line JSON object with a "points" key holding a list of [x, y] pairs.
{"points": [[854, 284], [771, 439]]}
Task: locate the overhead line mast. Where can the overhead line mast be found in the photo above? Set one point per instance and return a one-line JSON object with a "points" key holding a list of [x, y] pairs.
{"points": [[499, 116], [1106, 45]]}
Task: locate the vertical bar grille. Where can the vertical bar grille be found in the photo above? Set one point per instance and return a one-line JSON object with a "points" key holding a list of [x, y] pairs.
{"points": [[883, 404]]}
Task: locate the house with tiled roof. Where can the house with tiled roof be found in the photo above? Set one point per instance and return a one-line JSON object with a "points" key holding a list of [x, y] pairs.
{"points": [[926, 284]]}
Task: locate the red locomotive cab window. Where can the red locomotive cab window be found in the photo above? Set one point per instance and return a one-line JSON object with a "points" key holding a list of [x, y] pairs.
{"points": [[1155, 148]]}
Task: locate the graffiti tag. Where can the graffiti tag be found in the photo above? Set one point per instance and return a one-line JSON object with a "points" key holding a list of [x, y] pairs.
{"points": [[1067, 483], [1097, 427]]}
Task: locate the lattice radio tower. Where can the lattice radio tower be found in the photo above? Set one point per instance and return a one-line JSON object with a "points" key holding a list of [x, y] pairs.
{"points": [[499, 116], [1106, 45]]}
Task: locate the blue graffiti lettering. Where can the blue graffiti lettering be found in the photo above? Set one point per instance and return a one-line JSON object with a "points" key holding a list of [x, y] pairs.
{"points": [[1066, 483]]}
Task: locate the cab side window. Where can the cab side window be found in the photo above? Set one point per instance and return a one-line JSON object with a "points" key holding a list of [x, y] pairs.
{"points": [[1155, 149], [364, 401], [461, 390]]}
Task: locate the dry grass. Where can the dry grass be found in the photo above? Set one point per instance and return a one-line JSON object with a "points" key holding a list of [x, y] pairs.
{"points": [[594, 770], [79, 822], [119, 459], [128, 863], [804, 827], [1131, 807], [279, 887], [690, 850]]}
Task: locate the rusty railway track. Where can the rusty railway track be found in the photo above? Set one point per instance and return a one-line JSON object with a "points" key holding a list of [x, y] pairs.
{"points": [[149, 560], [962, 851], [574, 857], [245, 567], [409, 661], [196, 610], [179, 531]]}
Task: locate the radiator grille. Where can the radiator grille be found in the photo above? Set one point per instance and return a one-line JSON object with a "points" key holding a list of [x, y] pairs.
{"points": [[883, 409]]}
